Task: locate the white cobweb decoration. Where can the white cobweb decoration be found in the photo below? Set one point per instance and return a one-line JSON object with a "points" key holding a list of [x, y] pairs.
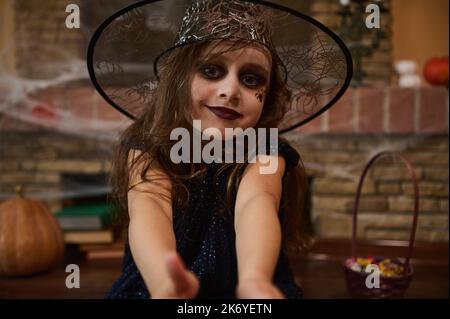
{"points": [[45, 91], [26, 92]]}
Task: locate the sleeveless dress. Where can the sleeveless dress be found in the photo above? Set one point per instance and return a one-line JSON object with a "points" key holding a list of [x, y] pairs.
{"points": [[205, 240]]}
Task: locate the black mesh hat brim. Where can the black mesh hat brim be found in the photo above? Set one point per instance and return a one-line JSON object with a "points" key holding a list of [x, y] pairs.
{"points": [[124, 50]]}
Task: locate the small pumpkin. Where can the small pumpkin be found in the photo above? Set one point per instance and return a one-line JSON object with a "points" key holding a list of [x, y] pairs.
{"points": [[436, 71], [31, 240]]}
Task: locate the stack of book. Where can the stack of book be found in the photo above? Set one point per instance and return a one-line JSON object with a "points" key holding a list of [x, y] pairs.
{"points": [[89, 227], [113, 250]]}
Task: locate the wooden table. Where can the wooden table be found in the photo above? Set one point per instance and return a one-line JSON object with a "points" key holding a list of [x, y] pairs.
{"points": [[320, 273]]}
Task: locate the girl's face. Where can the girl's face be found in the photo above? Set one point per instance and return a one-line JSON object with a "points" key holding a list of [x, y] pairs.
{"points": [[228, 91]]}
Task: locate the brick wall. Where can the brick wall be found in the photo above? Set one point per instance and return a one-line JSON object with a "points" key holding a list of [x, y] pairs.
{"points": [[39, 159], [389, 110], [42, 39], [365, 110], [376, 63], [335, 164], [41, 35]]}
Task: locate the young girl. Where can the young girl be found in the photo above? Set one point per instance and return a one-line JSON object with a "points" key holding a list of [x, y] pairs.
{"points": [[210, 230]]}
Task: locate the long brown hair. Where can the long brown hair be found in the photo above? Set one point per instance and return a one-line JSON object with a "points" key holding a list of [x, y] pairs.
{"points": [[169, 108]]}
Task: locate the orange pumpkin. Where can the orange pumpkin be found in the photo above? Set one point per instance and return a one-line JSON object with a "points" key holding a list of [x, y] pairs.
{"points": [[31, 239]]}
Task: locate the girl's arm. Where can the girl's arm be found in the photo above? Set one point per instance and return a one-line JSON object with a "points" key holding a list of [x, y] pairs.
{"points": [[152, 240], [258, 230]]}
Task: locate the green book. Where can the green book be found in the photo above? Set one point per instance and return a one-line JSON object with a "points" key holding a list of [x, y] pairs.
{"points": [[85, 216]]}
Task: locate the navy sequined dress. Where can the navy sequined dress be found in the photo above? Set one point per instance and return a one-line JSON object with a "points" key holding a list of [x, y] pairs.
{"points": [[205, 240]]}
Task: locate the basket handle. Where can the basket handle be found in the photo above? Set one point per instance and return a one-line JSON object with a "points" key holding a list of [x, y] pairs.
{"points": [[416, 203]]}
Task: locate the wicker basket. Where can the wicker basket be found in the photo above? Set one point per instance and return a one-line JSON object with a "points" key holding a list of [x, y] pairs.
{"points": [[389, 287]]}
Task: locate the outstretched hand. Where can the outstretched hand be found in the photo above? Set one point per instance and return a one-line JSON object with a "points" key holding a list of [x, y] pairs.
{"points": [[183, 284], [257, 289]]}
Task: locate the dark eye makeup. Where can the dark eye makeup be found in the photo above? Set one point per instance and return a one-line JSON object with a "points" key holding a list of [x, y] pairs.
{"points": [[212, 71], [249, 76]]}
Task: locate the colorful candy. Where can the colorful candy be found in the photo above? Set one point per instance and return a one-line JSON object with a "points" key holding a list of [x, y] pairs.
{"points": [[387, 266]]}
